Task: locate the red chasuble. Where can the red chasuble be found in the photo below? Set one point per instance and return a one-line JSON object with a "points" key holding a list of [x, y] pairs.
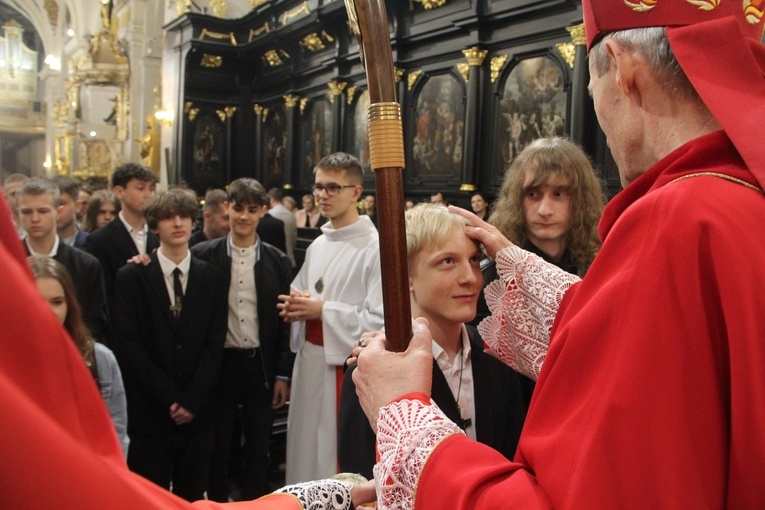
{"points": [[58, 448], [653, 391]]}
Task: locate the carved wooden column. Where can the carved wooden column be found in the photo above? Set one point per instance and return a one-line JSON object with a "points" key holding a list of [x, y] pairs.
{"points": [[475, 57], [581, 121], [290, 102], [336, 90], [259, 148]]}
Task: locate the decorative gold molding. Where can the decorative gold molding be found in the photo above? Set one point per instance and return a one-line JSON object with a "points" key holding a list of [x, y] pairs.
{"points": [[335, 89], [467, 187], [211, 61], [217, 35], [219, 8], [497, 63], [577, 34], [182, 6], [568, 51], [257, 32], [327, 37], [254, 4], [230, 111], [427, 4], [257, 109], [464, 70], [312, 42], [272, 58], [475, 56], [51, 7], [221, 114], [265, 115], [350, 92], [290, 100], [303, 9], [192, 113], [412, 78], [398, 73], [303, 103], [187, 106]]}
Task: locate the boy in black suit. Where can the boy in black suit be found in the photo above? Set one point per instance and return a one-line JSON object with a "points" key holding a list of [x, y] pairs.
{"points": [[126, 236], [257, 362], [478, 392], [38, 213], [169, 331]]}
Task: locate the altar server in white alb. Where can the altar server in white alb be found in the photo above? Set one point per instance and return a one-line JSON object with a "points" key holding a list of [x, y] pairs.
{"points": [[336, 296]]}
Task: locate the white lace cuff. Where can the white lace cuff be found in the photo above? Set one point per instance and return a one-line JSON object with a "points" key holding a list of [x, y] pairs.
{"points": [[407, 432], [321, 494], [523, 303]]}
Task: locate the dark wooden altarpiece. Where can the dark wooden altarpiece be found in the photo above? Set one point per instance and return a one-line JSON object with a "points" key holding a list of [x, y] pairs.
{"points": [[267, 95]]}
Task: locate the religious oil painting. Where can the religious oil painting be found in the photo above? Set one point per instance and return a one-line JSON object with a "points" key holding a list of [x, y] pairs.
{"points": [[360, 141], [208, 152], [532, 105], [274, 145], [316, 136], [438, 128]]}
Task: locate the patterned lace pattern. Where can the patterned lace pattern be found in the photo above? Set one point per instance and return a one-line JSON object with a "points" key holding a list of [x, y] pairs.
{"points": [[407, 432], [321, 494], [523, 303]]}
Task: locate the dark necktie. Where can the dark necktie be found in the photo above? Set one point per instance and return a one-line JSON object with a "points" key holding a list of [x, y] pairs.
{"points": [[307, 220], [178, 289]]}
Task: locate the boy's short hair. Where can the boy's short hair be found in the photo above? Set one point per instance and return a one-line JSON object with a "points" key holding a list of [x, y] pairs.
{"points": [[126, 172], [247, 191], [39, 185], [276, 193], [164, 205], [427, 225], [67, 185], [14, 178], [340, 161], [214, 199]]}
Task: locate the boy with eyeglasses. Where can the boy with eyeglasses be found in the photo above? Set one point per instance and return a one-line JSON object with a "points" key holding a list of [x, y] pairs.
{"points": [[336, 296]]}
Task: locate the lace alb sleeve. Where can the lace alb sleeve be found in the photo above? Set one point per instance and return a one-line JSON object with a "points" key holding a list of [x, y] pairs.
{"points": [[523, 304], [407, 432], [321, 494]]}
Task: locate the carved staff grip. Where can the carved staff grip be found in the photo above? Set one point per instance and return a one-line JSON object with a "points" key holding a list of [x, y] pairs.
{"points": [[369, 22]]}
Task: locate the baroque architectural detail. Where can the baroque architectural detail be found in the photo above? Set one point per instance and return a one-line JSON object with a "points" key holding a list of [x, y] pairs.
{"points": [[51, 7], [335, 89], [257, 109], [294, 13], [497, 63], [230, 111], [475, 56], [577, 34], [211, 61], [257, 32], [254, 4], [412, 78], [272, 58], [217, 35], [290, 100], [303, 103], [312, 42], [182, 6], [221, 115], [219, 8], [464, 70], [568, 51], [192, 113], [398, 74], [427, 4], [350, 91]]}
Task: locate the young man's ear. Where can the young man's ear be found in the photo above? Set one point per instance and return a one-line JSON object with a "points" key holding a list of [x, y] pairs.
{"points": [[118, 191]]}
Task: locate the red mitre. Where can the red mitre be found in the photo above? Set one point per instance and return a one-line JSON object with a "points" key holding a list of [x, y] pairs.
{"points": [[718, 45]]}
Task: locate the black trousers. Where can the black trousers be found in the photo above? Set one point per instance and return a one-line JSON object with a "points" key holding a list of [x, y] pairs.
{"points": [[182, 458], [241, 382]]}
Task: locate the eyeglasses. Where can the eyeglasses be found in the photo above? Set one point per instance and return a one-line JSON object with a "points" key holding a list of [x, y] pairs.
{"points": [[331, 189]]}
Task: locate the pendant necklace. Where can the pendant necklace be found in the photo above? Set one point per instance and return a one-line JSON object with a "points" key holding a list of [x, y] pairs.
{"points": [[319, 285]]}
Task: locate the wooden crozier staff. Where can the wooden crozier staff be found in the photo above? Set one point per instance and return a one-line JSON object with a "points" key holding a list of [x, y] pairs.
{"points": [[369, 22]]}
